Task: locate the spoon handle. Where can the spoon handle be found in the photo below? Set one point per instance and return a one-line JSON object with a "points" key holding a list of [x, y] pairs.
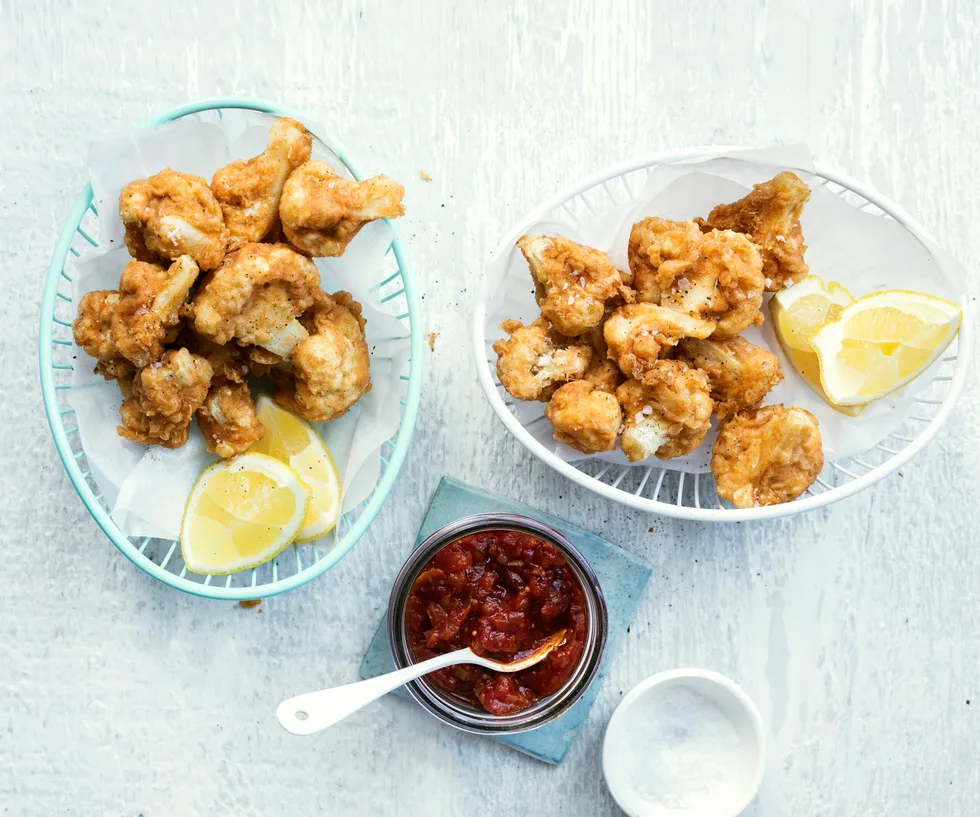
{"points": [[313, 711]]}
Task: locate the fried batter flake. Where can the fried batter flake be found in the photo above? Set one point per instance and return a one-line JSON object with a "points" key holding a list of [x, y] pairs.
{"points": [[173, 214], [639, 334], [770, 217], [228, 419], [572, 282], [534, 358], [249, 191], [584, 417], [741, 374], [667, 412], [766, 456], [321, 212]]}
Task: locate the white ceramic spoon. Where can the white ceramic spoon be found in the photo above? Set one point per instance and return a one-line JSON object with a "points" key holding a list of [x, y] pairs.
{"points": [[313, 711]]}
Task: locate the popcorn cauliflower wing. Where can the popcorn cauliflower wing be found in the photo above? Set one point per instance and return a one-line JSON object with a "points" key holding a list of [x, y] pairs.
{"points": [[92, 330], [228, 419], [162, 399], [255, 297], [770, 217], [766, 456], [741, 374], [584, 417], [321, 212], [639, 334], [148, 313], [534, 358], [717, 276], [173, 214], [330, 368], [572, 282], [249, 191], [667, 412]]}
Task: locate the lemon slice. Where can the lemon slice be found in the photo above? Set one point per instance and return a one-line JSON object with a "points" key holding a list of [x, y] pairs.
{"points": [[799, 311], [241, 512], [295, 442], [881, 342]]}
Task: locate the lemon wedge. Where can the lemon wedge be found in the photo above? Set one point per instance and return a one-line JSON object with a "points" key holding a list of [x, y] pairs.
{"points": [[881, 342], [295, 442], [797, 313], [241, 512]]}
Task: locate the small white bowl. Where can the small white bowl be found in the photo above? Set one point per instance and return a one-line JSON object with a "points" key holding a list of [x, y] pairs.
{"points": [[620, 747]]}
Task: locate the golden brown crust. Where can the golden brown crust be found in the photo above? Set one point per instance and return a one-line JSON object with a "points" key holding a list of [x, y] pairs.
{"points": [[667, 412], [249, 191], [766, 456], [321, 212], [173, 214], [572, 282], [534, 358], [228, 419], [638, 335], [741, 374], [585, 418], [770, 217]]}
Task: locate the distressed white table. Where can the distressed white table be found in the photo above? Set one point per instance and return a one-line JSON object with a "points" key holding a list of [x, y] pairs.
{"points": [[855, 628]]}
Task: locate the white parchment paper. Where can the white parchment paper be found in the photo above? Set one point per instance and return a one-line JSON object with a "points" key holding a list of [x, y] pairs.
{"points": [[862, 251], [147, 488]]}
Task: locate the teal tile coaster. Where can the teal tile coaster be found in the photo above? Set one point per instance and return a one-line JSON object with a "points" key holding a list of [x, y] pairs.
{"points": [[621, 575]]}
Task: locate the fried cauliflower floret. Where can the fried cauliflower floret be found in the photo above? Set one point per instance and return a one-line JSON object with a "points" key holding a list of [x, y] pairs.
{"points": [[228, 419], [162, 399], [572, 282], [173, 214], [256, 296], [770, 217], [766, 456], [330, 369], [249, 191], [229, 362], [92, 330], [603, 373], [717, 276], [584, 417], [667, 412], [741, 374], [321, 212], [534, 358], [148, 313], [639, 334]]}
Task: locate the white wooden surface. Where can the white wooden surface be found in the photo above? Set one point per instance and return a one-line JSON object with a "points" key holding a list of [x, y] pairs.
{"points": [[855, 629]]}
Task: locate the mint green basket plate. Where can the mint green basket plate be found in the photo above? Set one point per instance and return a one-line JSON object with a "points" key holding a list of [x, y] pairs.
{"points": [[161, 558]]}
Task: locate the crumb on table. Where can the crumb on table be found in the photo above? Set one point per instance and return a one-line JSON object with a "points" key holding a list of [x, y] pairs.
{"points": [[247, 604], [432, 341], [425, 176]]}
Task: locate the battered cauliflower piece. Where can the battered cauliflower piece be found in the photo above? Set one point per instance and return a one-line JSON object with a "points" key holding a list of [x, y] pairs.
{"points": [[249, 191], [770, 217], [256, 296], [93, 332], [173, 214], [741, 374], [534, 358], [639, 334], [572, 282], [330, 368], [603, 373], [148, 313], [162, 399], [229, 362], [228, 419], [321, 212], [667, 413], [584, 417], [717, 276], [766, 456]]}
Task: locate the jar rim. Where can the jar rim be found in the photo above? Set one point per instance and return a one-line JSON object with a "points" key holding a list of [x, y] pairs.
{"points": [[458, 713]]}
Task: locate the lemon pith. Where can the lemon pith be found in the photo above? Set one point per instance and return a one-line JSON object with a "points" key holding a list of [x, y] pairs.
{"points": [[295, 442], [240, 513]]}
